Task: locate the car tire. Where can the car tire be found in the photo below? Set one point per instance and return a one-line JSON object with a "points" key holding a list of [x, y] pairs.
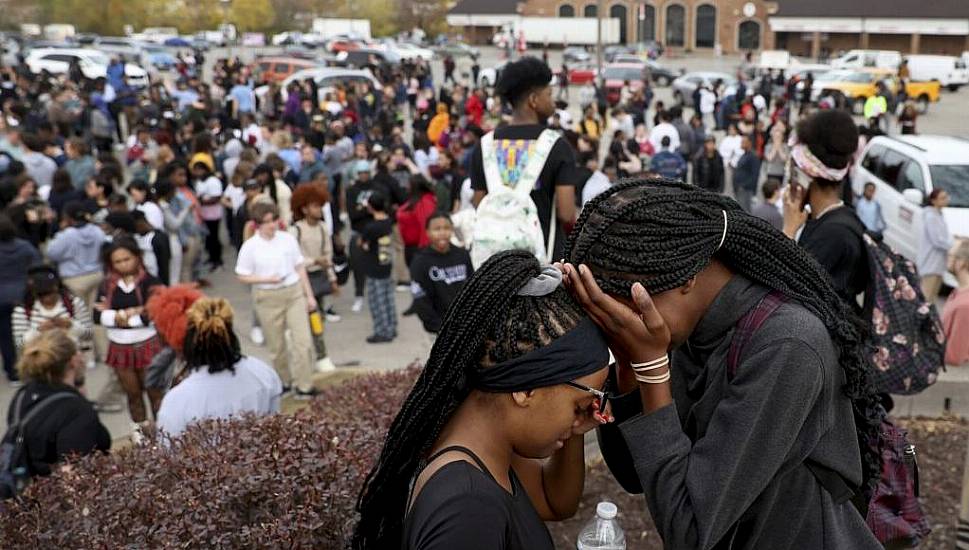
{"points": [[662, 81], [953, 87], [923, 102]]}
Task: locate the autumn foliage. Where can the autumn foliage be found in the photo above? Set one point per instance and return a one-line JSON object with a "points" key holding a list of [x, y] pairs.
{"points": [[285, 481]]}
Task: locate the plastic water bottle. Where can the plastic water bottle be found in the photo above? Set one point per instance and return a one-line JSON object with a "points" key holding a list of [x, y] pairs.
{"points": [[603, 531]]}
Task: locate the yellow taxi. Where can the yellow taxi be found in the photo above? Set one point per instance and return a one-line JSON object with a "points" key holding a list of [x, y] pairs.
{"points": [[857, 85]]}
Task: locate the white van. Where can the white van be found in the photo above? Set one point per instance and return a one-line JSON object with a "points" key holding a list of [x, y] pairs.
{"points": [[905, 169], [873, 59], [950, 71]]}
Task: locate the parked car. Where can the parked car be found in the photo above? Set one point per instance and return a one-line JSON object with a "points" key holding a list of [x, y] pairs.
{"points": [[94, 64], [880, 59], [163, 61], [362, 57], [609, 53], [276, 69], [905, 169], [684, 85], [582, 74], [616, 75], [456, 49], [326, 79], [406, 50], [339, 44], [949, 70], [651, 49], [489, 76], [576, 54]]}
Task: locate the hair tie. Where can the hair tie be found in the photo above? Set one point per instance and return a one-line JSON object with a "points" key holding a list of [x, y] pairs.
{"points": [[544, 284], [724, 236]]}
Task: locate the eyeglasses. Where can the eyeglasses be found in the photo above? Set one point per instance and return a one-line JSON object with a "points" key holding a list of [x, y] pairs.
{"points": [[602, 398]]}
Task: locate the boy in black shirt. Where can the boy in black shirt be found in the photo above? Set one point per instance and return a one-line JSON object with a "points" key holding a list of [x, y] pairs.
{"points": [[438, 273], [377, 264]]}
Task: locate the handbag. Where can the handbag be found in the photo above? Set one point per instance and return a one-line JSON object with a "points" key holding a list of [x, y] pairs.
{"points": [[320, 283]]}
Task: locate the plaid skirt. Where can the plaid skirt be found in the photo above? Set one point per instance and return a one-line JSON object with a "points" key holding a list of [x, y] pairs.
{"points": [[133, 356]]}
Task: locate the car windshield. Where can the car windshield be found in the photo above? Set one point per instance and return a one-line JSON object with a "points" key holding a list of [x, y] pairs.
{"points": [[97, 58], [954, 178], [622, 73]]}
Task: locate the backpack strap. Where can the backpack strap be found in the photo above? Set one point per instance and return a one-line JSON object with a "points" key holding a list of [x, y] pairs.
{"points": [[489, 161], [19, 424], [749, 324]]}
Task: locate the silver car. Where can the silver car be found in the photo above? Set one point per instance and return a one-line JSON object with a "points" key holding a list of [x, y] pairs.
{"points": [[684, 86]]}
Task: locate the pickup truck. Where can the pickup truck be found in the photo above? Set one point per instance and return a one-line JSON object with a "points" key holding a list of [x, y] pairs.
{"points": [[858, 85]]}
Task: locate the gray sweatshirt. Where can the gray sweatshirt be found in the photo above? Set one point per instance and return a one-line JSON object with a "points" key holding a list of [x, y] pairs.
{"points": [[77, 250], [723, 466]]}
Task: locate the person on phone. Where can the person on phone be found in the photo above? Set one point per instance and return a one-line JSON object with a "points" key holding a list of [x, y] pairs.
{"points": [[489, 443], [48, 305], [721, 452], [822, 149], [271, 261]]}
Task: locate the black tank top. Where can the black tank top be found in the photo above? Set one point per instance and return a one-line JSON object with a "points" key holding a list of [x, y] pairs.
{"points": [[463, 507]]}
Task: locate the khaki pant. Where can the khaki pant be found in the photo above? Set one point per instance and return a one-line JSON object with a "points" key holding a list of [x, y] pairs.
{"points": [[931, 285], [85, 287], [279, 310], [192, 250], [401, 272]]}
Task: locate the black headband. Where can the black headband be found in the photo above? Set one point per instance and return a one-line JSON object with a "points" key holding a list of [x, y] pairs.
{"points": [[577, 353]]}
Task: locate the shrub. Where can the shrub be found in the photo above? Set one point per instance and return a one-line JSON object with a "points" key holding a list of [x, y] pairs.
{"points": [[286, 481]]}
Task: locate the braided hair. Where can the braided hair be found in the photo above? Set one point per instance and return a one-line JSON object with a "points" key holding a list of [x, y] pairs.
{"points": [[488, 323], [661, 233], [209, 339]]}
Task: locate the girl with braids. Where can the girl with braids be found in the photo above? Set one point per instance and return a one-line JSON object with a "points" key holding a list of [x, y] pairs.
{"points": [[729, 451], [221, 381], [512, 379]]}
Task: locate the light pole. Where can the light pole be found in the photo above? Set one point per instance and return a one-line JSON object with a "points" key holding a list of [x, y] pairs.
{"points": [[599, 41]]}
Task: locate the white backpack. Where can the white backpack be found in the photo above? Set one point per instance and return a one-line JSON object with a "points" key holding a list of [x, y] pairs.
{"points": [[507, 218]]}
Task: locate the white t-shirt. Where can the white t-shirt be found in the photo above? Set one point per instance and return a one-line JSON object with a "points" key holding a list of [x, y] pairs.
{"points": [[708, 101], [597, 184], [731, 150], [153, 214], [210, 187], [254, 387], [661, 130], [237, 197], [266, 257]]}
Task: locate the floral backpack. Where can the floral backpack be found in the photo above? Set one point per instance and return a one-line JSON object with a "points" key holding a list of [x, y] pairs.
{"points": [[906, 332]]}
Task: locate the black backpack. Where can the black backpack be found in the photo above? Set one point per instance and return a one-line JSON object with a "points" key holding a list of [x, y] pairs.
{"points": [[14, 471]]}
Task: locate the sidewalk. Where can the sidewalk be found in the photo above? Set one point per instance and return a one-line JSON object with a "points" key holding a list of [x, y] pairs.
{"points": [[345, 342]]}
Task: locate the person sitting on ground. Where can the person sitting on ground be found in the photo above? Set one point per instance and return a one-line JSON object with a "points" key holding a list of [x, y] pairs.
{"points": [[513, 379], [955, 316], [221, 382], [51, 365], [438, 272], [767, 209]]}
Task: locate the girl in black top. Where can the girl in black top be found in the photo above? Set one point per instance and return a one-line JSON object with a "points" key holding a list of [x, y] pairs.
{"points": [[51, 364], [512, 379], [824, 146]]}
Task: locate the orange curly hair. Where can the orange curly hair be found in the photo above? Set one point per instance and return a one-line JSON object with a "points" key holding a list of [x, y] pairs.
{"points": [[305, 194], [168, 307]]}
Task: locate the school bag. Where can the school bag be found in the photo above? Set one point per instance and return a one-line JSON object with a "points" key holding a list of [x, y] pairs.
{"points": [[892, 511], [14, 471], [507, 218], [906, 331]]}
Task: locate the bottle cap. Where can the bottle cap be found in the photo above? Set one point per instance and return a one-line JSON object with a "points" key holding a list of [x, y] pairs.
{"points": [[606, 510]]}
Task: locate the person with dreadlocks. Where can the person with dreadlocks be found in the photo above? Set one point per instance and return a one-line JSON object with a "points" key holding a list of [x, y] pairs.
{"points": [[221, 381], [766, 402], [513, 378]]}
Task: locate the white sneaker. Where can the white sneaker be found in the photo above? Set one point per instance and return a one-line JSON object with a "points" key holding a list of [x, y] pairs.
{"points": [[137, 434], [357, 305], [403, 288], [333, 318], [325, 365], [256, 336]]}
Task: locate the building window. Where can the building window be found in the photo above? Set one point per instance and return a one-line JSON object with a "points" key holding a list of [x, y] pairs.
{"points": [[706, 26], [748, 35], [675, 26], [647, 23], [590, 11], [619, 12], [566, 10]]}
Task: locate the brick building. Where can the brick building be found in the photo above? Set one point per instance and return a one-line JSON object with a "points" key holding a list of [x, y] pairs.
{"points": [[812, 27]]}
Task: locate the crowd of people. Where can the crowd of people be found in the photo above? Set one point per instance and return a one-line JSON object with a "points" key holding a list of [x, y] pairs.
{"points": [[672, 222]]}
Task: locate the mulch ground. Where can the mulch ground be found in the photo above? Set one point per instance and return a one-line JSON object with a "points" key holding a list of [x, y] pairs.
{"points": [[941, 446]]}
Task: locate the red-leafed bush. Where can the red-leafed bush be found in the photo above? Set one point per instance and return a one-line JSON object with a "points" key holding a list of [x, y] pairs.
{"points": [[285, 481]]}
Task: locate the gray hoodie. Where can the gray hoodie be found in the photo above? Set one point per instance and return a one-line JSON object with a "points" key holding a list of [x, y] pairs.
{"points": [[77, 250]]}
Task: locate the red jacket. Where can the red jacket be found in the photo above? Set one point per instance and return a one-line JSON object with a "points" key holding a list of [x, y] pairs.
{"points": [[411, 221], [474, 109]]}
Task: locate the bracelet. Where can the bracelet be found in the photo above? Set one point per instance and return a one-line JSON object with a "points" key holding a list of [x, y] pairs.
{"points": [[655, 364], [658, 379]]}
